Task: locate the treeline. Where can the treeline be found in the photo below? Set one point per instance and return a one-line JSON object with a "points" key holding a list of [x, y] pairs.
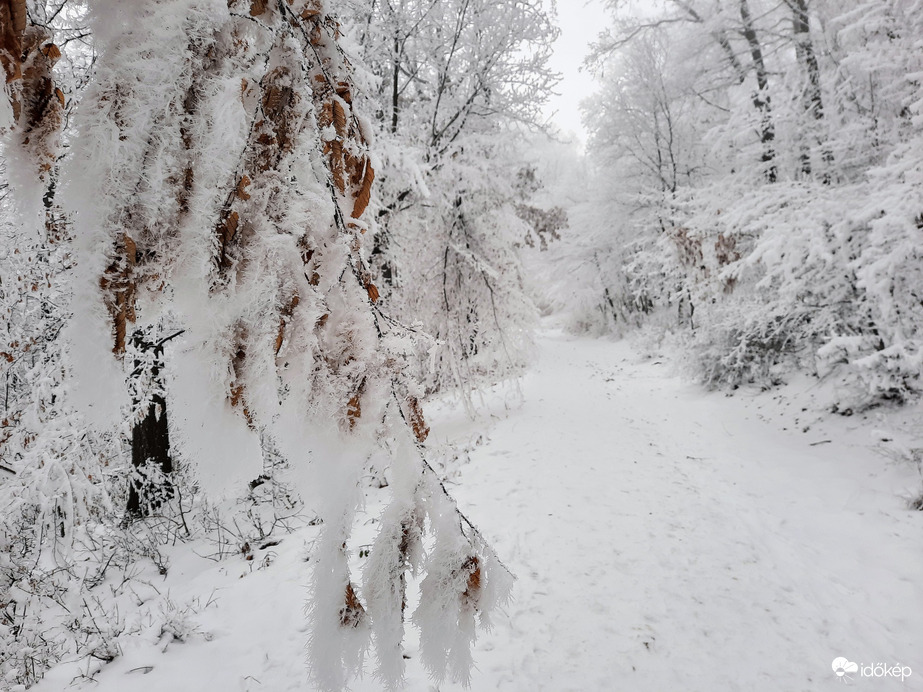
{"points": [[762, 164]]}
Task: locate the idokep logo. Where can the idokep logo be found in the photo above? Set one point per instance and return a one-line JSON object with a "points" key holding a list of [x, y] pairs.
{"points": [[846, 669], [842, 667]]}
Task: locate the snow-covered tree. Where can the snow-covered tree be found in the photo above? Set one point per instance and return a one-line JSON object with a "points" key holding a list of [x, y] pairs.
{"points": [[457, 84], [53, 469], [219, 188], [787, 234], [207, 242]]}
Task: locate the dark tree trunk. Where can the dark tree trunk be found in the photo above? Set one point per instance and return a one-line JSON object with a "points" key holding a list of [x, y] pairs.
{"points": [[382, 238], [150, 444], [395, 91], [761, 95], [720, 37], [813, 100]]}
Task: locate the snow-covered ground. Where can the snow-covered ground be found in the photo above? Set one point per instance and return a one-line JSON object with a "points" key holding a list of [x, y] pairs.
{"points": [[664, 538]]}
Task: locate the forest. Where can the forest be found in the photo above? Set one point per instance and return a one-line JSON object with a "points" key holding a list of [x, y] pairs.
{"points": [[274, 276]]}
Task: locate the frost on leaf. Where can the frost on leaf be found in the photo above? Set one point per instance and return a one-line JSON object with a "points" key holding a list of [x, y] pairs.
{"points": [[351, 612], [28, 56], [354, 406], [416, 419], [472, 592], [119, 288]]}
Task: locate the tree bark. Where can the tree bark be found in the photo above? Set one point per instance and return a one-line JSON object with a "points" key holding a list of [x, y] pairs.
{"points": [[811, 96], [395, 84], [761, 99], [150, 444]]}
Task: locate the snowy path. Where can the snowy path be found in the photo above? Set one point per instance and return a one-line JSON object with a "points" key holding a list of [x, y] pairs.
{"points": [[663, 539], [666, 540]]}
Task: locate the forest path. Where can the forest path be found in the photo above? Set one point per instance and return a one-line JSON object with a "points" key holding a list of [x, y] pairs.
{"points": [[669, 539], [664, 539]]}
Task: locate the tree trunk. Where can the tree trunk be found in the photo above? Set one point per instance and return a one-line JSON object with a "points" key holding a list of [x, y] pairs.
{"points": [[150, 445], [720, 37], [811, 96], [761, 99], [395, 84]]}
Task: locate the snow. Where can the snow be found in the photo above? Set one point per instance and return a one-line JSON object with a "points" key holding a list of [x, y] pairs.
{"points": [[663, 537]]}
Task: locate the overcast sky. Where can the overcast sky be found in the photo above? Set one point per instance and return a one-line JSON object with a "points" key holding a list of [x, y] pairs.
{"points": [[580, 22]]}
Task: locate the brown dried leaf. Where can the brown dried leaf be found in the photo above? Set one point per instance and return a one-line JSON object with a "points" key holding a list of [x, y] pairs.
{"points": [[351, 613], [237, 394], [336, 165], [354, 409], [17, 15], [472, 593], [131, 249], [272, 101], [355, 166], [343, 92], [230, 226], [257, 7], [415, 417], [280, 336], [372, 291], [120, 319], [225, 232], [285, 314], [311, 10], [118, 279], [12, 26], [51, 51], [241, 191], [365, 192], [37, 105], [325, 118], [339, 119], [354, 405]]}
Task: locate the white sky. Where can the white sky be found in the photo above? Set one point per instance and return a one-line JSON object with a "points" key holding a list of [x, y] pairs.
{"points": [[580, 22]]}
